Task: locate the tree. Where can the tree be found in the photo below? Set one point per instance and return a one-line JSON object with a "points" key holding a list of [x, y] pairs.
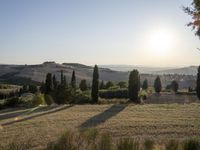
{"points": [[83, 85], [48, 83], [145, 84], [109, 84], [55, 83], [33, 88], [122, 84], [198, 83], [174, 86], [157, 85], [73, 80], [194, 11], [95, 85], [102, 85], [65, 84], [134, 86], [61, 77]]}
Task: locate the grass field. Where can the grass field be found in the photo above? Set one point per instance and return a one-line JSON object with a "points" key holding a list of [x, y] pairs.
{"points": [[154, 121]]}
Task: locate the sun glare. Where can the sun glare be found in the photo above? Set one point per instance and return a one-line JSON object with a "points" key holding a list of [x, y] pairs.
{"points": [[160, 42]]}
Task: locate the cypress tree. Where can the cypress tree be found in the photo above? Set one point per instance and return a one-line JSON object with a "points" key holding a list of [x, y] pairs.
{"points": [[95, 85], [83, 85], [198, 83], [157, 85], [48, 83], [65, 84], [55, 83], [134, 86], [73, 80], [61, 77], [145, 84], [174, 86]]}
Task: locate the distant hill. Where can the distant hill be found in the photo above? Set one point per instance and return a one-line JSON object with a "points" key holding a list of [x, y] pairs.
{"points": [[35, 74], [192, 70]]}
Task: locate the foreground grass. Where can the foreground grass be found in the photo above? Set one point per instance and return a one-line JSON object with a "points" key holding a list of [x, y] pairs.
{"points": [[159, 122]]}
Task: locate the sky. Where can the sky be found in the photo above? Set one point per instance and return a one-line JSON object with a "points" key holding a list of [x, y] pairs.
{"points": [[132, 32]]}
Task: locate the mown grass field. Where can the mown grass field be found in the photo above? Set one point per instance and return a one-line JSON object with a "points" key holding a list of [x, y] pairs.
{"points": [[155, 121]]}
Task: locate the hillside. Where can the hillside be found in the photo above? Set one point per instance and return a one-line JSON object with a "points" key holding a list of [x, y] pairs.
{"points": [[35, 74]]}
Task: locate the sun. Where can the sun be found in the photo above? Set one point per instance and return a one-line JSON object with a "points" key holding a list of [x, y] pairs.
{"points": [[160, 41]]}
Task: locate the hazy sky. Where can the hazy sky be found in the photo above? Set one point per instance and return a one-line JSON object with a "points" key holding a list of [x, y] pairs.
{"points": [[96, 32]]}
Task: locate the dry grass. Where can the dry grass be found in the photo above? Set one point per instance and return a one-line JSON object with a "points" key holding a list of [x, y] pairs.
{"points": [[158, 122]]}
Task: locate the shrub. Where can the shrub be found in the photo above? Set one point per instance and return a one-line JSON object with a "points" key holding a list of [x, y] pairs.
{"points": [[173, 145], [128, 144], [149, 145], [12, 102], [48, 99], [105, 142], [192, 145], [38, 99], [109, 94]]}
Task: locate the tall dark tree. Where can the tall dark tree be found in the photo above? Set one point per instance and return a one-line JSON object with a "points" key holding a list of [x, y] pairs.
{"points": [[95, 85], [157, 85], [61, 77], [145, 84], [73, 80], [198, 83], [134, 86], [55, 82], [48, 84], [102, 85], [83, 85], [194, 11], [174, 86]]}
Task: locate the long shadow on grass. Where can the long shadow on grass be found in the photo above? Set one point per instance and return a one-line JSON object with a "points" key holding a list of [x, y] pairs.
{"points": [[23, 118], [104, 116]]}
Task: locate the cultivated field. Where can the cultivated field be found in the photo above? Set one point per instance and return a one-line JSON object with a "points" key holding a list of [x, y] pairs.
{"points": [[154, 121]]}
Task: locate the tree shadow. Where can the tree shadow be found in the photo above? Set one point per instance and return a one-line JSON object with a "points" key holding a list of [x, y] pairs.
{"points": [[104, 116], [22, 118]]}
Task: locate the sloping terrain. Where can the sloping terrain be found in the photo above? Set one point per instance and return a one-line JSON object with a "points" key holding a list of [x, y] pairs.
{"points": [[155, 121]]}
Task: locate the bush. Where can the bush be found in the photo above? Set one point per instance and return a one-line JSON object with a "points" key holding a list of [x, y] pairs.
{"points": [[192, 145], [38, 99], [128, 144], [81, 98], [12, 102], [48, 99], [109, 94]]}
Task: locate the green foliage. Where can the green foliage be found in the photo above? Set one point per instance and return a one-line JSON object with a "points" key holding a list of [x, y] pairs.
{"points": [[149, 145], [38, 99], [73, 80], [109, 94], [95, 85], [122, 84], [82, 98], [33, 89], [102, 85], [12, 102], [109, 84], [198, 83], [157, 85], [173, 145], [83, 85], [134, 86], [174, 86], [128, 144], [192, 144], [48, 84], [48, 99], [55, 82], [145, 84]]}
